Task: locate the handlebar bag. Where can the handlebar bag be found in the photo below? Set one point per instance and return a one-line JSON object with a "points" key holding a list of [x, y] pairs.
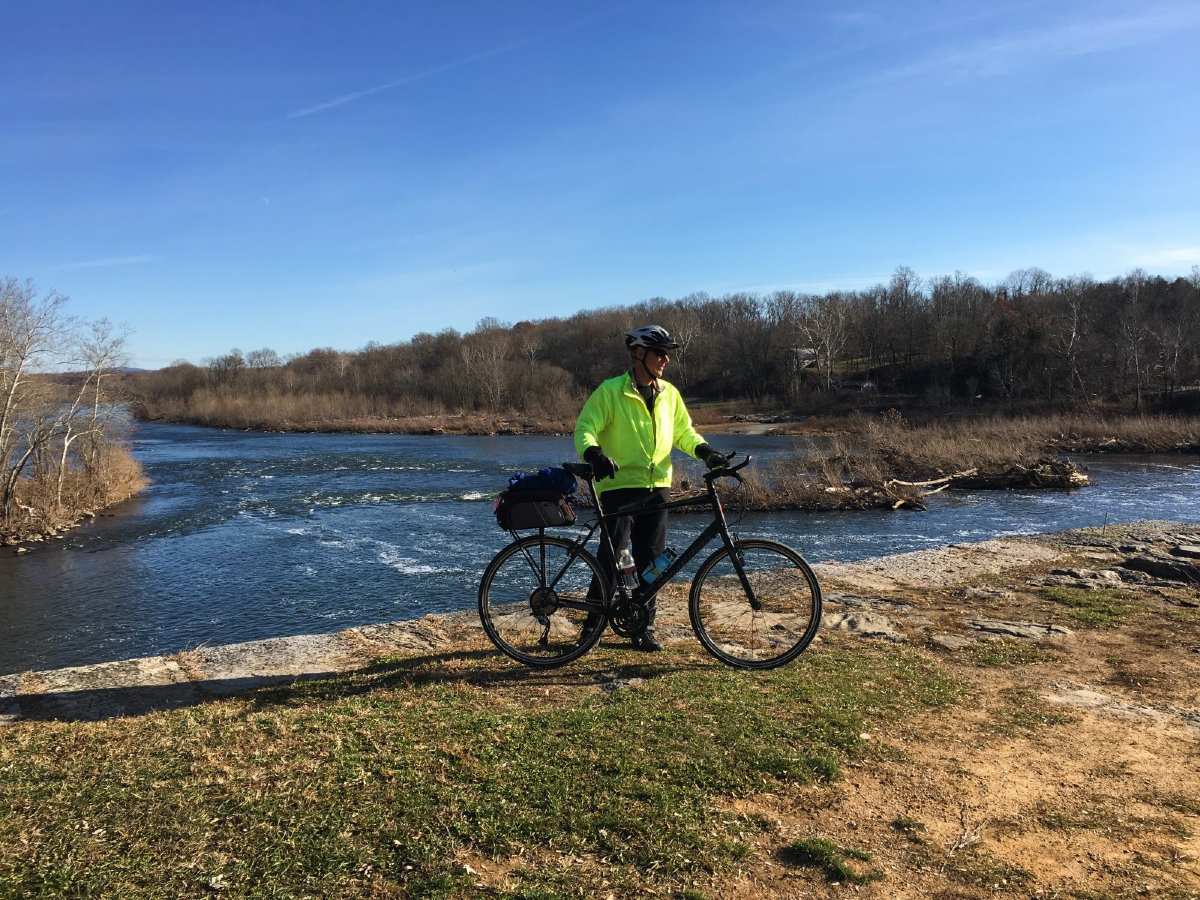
{"points": [[521, 509]]}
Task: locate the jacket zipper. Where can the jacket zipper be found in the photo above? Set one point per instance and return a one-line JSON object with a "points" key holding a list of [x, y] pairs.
{"points": [[653, 421]]}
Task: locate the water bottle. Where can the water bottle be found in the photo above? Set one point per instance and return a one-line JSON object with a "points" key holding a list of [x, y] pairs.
{"points": [[661, 563], [625, 567]]}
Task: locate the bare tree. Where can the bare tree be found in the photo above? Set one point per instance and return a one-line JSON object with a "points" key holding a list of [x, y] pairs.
{"points": [[823, 323], [1133, 329], [30, 327], [226, 369], [102, 349], [266, 358], [1069, 331]]}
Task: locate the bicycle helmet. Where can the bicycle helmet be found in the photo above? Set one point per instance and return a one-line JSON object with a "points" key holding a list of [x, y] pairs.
{"points": [[652, 337]]}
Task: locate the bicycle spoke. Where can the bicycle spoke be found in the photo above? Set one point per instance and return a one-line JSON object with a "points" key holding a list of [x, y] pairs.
{"points": [[540, 623], [757, 608]]}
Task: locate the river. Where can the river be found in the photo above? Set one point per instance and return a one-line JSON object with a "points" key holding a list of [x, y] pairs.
{"points": [[244, 536]]}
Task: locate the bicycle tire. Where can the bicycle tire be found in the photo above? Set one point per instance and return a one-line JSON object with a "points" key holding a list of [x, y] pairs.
{"points": [[512, 612], [739, 636]]}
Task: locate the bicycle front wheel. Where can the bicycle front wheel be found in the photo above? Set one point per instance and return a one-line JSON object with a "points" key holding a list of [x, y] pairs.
{"points": [[755, 608], [534, 605]]}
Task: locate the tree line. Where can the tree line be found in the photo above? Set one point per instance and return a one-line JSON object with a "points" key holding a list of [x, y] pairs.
{"points": [[60, 434], [1030, 340]]}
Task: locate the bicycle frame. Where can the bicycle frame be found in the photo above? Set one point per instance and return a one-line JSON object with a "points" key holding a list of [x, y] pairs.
{"points": [[645, 593]]}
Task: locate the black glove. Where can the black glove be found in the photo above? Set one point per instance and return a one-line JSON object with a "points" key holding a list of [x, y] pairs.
{"points": [[711, 457], [602, 466]]}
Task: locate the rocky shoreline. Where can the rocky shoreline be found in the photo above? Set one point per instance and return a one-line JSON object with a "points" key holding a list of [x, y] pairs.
{"points": [[52, 532], [956, 599]]}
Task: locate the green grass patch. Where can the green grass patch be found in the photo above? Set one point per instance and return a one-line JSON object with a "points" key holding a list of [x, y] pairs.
{"points": [[834, 861], [1005, 653], [1101, 608], [979, 868], [1024, 712], [377, 782]]}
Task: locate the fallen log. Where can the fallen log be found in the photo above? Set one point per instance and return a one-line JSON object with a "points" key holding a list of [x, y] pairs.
{"points": [[944, 481], [1045, 473]]}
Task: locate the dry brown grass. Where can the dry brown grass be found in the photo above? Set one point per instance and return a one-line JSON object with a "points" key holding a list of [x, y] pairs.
{"points": [[860, 469], [956, 444], [930, 451], [115, 476], [340, 412]]}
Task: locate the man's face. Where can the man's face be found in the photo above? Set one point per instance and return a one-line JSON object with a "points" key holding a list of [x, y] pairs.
{"points": [[655, 361]]}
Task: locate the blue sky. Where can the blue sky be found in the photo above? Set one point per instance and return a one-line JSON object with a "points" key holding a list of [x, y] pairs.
{"points": [[296, 174]]}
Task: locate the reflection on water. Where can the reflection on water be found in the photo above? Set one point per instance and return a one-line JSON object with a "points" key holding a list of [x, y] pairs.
{"points": [[244, 536]]}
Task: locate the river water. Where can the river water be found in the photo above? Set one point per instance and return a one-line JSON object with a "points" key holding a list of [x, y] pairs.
{"points": [[244, 536]]}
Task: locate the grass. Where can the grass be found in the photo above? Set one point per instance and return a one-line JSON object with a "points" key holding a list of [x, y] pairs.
{"points": [[1109, 817], [1005, 653], [1100, 608], [346, 413], [832, 860], [117, 477], [380, 782], [859, 470], [955, 444], [979, 868], [1024, 712]]}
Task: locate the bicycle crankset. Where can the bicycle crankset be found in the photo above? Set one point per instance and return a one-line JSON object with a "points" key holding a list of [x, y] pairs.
{"points": [[629, 619]]}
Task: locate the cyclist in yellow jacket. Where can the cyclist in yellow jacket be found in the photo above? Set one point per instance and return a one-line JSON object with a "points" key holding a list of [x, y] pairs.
{"points": [[626, 431]]}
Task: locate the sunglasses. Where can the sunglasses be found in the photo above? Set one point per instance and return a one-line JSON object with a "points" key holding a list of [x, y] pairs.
{"points": [[661, 354]]}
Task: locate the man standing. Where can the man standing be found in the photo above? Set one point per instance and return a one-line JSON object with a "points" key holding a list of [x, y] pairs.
{"points": [[626, 431]]}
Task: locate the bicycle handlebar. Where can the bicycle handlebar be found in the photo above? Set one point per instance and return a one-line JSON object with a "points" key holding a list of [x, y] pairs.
{"points": [[584, 470], [728, 471]]}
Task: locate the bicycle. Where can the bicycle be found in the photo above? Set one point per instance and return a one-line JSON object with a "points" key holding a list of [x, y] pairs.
{"points": [[753, 604]]}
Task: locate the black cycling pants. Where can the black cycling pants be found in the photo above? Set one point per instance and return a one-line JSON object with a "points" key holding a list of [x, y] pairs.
{"points": [[646, 532]]}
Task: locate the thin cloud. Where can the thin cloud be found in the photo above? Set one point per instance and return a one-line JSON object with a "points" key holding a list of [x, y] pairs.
{"points": [[473, 58], [1004, 55], [105, 262], [400, 82], [1169, 256]]}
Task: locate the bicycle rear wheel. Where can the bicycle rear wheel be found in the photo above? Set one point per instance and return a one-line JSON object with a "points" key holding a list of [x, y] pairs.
{"points": [[533, 601], [768, 626]]}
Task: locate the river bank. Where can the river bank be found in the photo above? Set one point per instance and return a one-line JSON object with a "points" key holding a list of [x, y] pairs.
{"points": [[861, 463], [45, 511], [996, 719], [1101, 432], [326, 532]]}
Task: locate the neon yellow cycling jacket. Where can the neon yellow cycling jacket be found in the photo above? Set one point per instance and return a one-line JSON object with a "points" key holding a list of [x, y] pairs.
{"points": [[616, 420]]}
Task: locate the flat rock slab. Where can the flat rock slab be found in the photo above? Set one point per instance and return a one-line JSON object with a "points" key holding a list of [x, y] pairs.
{"points": [[862, 602], [940, 567], [864, 624], [1096, 701], [1104, 575], [9, 710], [137, 686], [1172, 570], [1187, 551], [1031, 631], [951, 642]]}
